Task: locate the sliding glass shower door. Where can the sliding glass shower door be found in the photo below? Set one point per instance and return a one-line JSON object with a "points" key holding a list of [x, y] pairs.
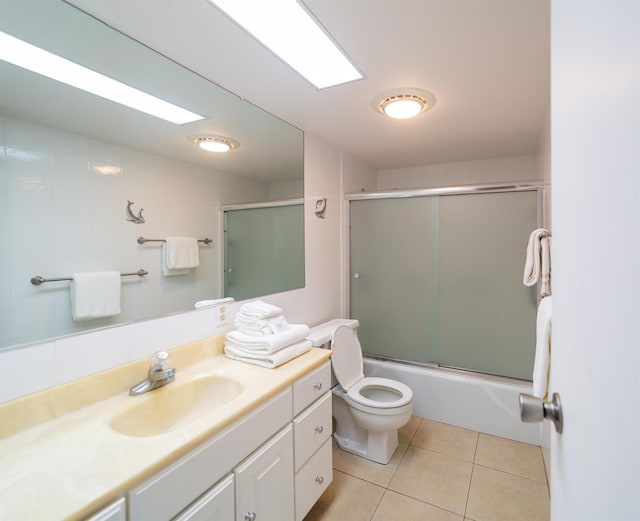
{"points": [[438, 279]]}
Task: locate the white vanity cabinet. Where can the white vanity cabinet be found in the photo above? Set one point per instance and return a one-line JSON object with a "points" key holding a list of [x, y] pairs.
{"points": [[215, 505], [273, 464]]}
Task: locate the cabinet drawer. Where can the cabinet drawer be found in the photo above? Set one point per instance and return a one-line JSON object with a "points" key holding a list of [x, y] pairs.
{"points": [[311, 429], [313, 479], [309, 388]]}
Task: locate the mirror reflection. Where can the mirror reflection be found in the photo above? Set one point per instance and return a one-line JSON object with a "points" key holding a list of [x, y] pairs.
{"points": [[83, 177]]}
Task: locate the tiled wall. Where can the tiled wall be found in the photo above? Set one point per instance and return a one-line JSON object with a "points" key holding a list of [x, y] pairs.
{"points": [[63, 211]]}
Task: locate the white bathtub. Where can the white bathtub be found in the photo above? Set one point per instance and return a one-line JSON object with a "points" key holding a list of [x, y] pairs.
{"points": [[476, 402]]}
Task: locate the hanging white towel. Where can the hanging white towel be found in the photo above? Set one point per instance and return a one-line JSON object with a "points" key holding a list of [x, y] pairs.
{"points": [[542, 359], [95, 295], [545, 267], [270, 343], [269, 360], [179, 255], [534, 267]]}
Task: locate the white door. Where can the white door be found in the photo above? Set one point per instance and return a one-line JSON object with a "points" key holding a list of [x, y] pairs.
{"points": [[595, 150]]}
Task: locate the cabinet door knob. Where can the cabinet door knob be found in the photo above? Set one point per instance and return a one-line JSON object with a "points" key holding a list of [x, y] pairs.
{"points": [[319, 480], [250, 516], [319, 429], [317, 386]]}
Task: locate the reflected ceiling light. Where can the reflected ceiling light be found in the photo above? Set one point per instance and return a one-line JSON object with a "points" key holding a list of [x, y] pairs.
{"points": [[288, 30], [33, 58], [405, 103], [215, 143]]}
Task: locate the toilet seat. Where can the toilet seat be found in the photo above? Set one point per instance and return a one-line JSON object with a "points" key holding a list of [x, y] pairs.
{"points": [[348, 366], [397, 393]]}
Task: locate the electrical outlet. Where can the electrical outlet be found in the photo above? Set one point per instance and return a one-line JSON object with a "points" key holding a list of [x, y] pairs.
{"points": [[221, 316]]}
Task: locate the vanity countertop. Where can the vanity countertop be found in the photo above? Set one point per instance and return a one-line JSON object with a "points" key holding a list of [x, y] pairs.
{"points": [[70, 462]]}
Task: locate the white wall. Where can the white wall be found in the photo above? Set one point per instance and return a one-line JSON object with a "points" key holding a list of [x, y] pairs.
{"points": [[496, 170], [595, 118], [40, 366]]}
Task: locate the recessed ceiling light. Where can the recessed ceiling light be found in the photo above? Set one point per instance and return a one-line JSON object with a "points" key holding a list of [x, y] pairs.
{"points": [[215, 143], [404, 103], [289, 31], [38, 60]]}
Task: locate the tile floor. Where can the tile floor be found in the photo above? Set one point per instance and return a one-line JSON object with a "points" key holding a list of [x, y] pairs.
{"points": [[439, 473]]}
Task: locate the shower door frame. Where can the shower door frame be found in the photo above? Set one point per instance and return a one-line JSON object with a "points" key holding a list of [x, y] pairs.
{"points": [[543, 195]]}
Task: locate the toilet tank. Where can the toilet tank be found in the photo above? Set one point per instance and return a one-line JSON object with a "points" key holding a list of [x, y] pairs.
{"points": [[320, 335]]}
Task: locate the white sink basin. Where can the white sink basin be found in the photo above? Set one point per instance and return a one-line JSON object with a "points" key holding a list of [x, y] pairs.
{"points": [[175, 405]]}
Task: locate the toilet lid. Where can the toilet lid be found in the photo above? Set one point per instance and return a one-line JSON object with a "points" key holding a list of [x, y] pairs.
{"points": [[346, 357]]}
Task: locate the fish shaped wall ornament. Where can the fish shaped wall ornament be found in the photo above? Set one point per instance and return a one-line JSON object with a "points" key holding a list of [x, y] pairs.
{"points": [[137, 219]]}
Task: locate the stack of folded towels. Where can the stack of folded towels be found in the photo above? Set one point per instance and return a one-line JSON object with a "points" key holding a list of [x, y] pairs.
{"points": [[264, 337]]}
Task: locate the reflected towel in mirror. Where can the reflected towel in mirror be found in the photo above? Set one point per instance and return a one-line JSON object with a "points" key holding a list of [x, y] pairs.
{"points": [[95, 295]]}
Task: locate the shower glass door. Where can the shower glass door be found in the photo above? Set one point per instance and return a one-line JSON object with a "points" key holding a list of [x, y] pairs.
{"points": [[438, 279]]}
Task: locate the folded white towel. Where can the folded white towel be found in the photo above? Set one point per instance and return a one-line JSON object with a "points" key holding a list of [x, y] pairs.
{"points": [[534, 267], [95, 295], [270, 343], [543, 349], [270, 360], [179, 255], [259, 310]]}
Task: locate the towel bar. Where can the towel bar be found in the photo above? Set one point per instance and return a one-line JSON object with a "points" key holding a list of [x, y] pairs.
{"points": [[37, 280], [142, 240]]}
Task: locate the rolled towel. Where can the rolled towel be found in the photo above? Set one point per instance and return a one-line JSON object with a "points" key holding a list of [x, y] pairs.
{"points": [[542, 358], [270, 343], [260, 327], [259, 310], [270, 360]]}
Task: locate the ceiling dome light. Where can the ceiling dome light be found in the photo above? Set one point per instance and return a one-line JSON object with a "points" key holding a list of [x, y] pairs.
{"points": [[215, 143], [405, 105]]}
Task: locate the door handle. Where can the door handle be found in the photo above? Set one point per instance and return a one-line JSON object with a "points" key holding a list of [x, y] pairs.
{"points": [[533, 409]]}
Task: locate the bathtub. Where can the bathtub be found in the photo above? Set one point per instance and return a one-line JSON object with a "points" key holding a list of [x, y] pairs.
{"points": [[473, 401]]}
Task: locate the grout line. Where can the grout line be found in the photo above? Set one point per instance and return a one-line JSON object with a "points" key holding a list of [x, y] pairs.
{"points": [[378, 505]]}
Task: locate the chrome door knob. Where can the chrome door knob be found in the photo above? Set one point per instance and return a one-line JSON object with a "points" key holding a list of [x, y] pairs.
{"points": [[250, 516], [356, 275], [533, 409]]}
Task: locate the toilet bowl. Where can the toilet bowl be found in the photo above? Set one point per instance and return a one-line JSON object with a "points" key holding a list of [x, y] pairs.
{"points": [[368, 411]]}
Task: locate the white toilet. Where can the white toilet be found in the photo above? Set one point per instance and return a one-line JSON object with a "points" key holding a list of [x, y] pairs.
{"points": [[368, 411]]}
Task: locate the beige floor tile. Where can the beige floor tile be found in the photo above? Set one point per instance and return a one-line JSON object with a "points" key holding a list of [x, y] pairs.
{"points": [[396, 507], [366, 469], [347, 498], [434, 478], [498, 496], [446, 439], [406, 433], [511, 456]]}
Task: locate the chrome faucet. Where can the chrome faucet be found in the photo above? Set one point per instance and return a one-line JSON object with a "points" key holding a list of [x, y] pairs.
{"points": [[159, 374]]}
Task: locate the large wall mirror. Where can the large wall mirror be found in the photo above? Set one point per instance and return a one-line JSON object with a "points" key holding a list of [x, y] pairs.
{"points": [[81, 177]]}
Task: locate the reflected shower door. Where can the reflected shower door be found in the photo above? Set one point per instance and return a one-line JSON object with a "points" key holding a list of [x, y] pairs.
{"points": [[438, 279], [263, 251]]}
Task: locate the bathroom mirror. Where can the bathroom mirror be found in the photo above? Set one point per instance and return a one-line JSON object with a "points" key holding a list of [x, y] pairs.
{"points": [[81, 177]]}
